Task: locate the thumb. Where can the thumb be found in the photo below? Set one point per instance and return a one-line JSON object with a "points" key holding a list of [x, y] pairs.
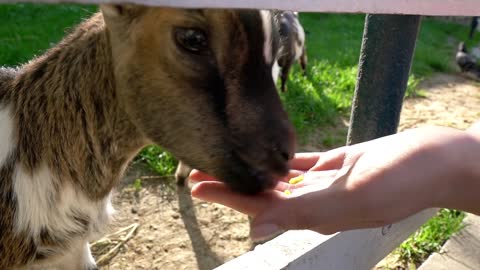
{"points": [[295, 213]]}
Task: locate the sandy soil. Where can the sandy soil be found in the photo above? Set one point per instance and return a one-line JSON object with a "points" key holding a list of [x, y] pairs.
{"points": [[451, 101], [177, 232]]}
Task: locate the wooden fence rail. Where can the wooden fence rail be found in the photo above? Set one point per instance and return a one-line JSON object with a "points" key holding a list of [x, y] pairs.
{"points": [[307, 250], [413, 7]]}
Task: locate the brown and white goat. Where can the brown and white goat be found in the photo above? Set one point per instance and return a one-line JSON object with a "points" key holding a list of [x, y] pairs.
{"points": [[196, 82], [292, 46]]}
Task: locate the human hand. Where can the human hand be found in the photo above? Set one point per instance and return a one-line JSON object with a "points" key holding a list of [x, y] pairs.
{"points": [[365, 185]]}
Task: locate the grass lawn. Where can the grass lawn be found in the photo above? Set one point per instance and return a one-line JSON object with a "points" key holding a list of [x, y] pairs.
{"points": [[312, 102]]}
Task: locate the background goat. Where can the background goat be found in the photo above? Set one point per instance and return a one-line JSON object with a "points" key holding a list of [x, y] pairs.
{"points": [[196, 82], [467, 63], [292, 46]]}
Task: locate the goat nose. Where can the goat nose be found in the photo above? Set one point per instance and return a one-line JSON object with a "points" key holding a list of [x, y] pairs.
{"points": [[278, 160], [284, 151], [281, 152], [284, 146], [285, 155]]}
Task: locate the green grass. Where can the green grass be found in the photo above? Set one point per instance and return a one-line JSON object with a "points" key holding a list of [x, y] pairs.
{"points": [[160, 161], [27, 30], [312, 102], [333, 45], [430, 237]]}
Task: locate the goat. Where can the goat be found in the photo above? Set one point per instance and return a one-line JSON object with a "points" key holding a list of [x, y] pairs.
{"points": [[196, 82], [292, 46], [467, 63]]}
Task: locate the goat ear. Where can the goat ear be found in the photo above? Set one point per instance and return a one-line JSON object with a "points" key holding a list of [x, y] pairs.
{"points": [[121, 11]]}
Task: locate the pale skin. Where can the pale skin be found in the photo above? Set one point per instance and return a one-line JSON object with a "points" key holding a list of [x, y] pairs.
{"points": [[365, 185]]}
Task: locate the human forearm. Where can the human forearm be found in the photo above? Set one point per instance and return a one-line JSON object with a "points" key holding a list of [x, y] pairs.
{"points": [[367, 185], [461, 185]]}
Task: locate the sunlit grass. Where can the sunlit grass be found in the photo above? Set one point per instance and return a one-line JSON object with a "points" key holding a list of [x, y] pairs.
{"points": [[430, 237]]}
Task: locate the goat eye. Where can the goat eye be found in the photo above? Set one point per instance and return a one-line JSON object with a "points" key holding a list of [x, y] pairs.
{"points": [[193, 40]]}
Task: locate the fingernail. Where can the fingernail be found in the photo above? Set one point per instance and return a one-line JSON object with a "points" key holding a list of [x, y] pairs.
{"points": [[264, 231]]}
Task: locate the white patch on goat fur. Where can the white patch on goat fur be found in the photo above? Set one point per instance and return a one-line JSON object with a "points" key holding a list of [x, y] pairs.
{"points": [[275, 71], [301, 38], [78, 256], [6, 134], [42, 205], [89, 260], [267, 31]]}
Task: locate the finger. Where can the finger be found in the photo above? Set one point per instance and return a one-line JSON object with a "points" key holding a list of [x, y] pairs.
{"points": [[315, 178], [286, 183], [313, 181], [197, 176], [331, 160], [282, 186], [291, 174], [217, 192], [304, 161]]}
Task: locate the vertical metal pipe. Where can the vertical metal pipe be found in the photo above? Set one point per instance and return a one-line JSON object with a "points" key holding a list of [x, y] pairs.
{"points": [[385, 60]]}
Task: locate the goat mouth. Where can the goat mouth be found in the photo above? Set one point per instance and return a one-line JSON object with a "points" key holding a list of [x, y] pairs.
{"points": [[254, 183], [250, 180]]}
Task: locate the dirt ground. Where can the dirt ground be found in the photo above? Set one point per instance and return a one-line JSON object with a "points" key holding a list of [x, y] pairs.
{"points": [[170, 230], [451, 101]]}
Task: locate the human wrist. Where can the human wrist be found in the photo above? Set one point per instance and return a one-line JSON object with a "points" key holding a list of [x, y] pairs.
{"points": [[459, 181]]}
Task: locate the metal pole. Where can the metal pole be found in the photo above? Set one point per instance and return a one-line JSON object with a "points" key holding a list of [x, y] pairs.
{"points": [[385, 60]]}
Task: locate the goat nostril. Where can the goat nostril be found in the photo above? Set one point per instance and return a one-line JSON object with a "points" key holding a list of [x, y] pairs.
{"points": [[285, 156], [281, 153]]}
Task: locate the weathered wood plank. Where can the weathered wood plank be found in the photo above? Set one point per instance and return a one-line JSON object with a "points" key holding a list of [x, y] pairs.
{"points": [[415, 7], [307, 250]]}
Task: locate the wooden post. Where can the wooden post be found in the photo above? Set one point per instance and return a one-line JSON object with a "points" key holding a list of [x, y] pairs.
{"points": [[385, 60]]}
